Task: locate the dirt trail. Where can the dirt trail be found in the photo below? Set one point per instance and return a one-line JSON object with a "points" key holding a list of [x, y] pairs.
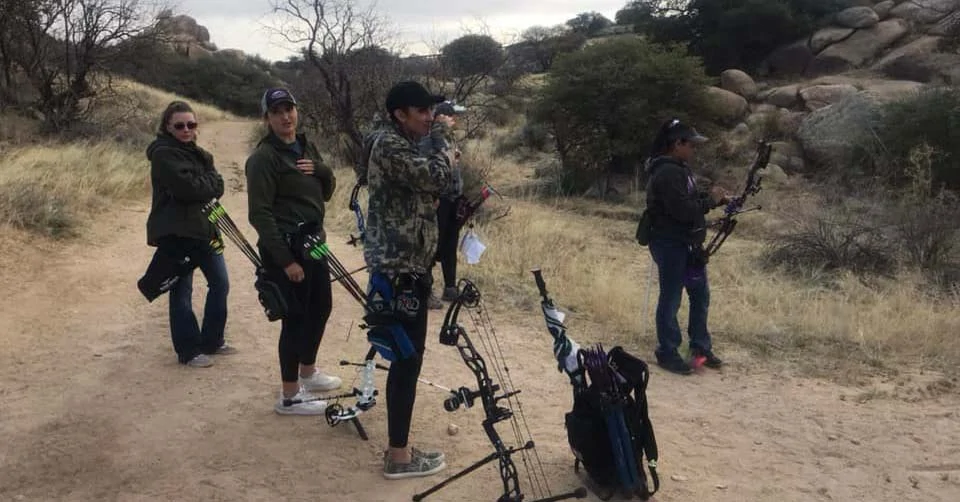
{"points": [[94, 407]]}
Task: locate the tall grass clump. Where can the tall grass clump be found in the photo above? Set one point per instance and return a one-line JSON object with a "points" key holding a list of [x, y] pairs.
{"points": [[53, 189]]}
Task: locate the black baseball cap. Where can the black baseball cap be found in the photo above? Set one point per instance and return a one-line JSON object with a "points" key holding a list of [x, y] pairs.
{"points": [[678, 130], [411, 94], [275, 95]]}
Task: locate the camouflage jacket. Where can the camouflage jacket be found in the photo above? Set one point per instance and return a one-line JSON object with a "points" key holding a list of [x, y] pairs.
{"points": [[401, 222]]}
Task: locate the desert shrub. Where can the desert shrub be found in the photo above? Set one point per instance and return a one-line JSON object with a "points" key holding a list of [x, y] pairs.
{"points": [[603, 104], [831, 241], [926, 125], [878, 230]]}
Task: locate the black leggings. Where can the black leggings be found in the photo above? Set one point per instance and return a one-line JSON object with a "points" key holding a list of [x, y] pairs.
{"points": [[403, 374], [449, 237], [309, 305]]}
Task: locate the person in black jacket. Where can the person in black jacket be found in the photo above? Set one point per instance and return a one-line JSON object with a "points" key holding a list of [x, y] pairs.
{"points": [[677, 210], [184, 179], [287, 186]]}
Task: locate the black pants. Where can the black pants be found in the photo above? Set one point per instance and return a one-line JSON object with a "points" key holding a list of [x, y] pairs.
{"points": [[310, 302], [403, 374], [449, 237]]}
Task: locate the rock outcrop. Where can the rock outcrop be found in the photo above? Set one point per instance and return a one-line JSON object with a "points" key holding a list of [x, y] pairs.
{"points": [[868, 36], [186, 37]]}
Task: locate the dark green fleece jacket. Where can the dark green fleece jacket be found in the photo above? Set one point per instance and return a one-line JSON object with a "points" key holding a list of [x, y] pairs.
{"points": [[184, 179], [280, 197]]}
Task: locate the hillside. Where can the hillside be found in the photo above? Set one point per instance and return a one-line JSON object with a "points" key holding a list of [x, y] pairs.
{"points": [[835, 306]]}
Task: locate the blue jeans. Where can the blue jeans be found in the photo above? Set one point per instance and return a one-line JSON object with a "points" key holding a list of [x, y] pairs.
{"points": [[189, 339], [672, 258]]}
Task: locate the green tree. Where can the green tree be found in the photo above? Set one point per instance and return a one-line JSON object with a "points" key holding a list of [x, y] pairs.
{"points": [[468, 61], [589, 23], [604, 103], [738, 33]]}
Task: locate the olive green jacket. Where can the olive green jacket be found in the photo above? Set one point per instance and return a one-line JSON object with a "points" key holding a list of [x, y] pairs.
{"points": [[280, 197]]}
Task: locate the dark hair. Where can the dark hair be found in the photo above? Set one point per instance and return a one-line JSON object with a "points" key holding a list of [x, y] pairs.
{"points": [[172, 108], [665, 138]]}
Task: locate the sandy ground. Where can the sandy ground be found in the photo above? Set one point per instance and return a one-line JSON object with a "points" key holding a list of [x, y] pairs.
{"points": [[94, 407]]}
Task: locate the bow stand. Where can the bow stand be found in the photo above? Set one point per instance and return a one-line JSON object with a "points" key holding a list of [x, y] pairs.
{"points": [[491, 393]]}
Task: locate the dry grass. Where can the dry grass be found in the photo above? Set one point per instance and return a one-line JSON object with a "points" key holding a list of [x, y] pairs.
{"points": [[51, 187], [600, 276]]}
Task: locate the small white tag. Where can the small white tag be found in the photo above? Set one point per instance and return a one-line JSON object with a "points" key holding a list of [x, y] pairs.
{"points": [[472, 248]]}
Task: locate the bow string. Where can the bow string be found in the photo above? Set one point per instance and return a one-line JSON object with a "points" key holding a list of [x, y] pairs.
{"points": [[498, 398]]}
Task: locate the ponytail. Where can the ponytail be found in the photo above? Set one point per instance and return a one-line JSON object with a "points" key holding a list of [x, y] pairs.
{"points": [[664, 140]]}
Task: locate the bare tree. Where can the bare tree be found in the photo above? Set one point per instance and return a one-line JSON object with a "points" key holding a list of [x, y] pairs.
{"points": [[346, 48], [59, 45]]}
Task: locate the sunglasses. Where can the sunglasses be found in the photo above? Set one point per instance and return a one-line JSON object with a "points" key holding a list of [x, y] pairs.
{"points": [[189, 125]]}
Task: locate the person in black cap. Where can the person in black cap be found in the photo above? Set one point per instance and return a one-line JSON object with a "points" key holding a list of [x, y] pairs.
{"points": [[449, 232], [287, 186], [677, 210], [403, 183]]}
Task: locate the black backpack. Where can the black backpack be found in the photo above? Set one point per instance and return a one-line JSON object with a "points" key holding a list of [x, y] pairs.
{"points": [[609, 429]]}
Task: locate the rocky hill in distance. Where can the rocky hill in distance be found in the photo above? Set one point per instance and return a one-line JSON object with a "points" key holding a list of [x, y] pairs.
{"points": [[822, 91]]}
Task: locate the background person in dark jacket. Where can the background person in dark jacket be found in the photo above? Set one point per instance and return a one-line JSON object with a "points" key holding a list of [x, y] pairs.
{"points": [[287, 186], [449, 233], [184, 179], [677, 210]]}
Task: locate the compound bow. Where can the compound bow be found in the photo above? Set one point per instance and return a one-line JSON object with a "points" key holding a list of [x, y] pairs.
{"points": [[491, 393], [358, 213], [727, 223]]}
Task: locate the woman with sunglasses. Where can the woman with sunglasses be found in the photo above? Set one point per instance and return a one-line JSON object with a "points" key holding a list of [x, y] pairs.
{"points": [[184, 179]]}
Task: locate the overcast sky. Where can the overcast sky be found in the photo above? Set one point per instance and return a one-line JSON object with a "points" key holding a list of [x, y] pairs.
{"points": [[238, 24]]}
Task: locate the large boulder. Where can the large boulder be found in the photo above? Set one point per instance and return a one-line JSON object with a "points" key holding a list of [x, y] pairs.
{"points": [[828, 36], [862, 46], [920, 46], [832, 136], [949, 24], [726, 106], [819, 96], [786, 96], [935, 68], [738, 82], [925, 11], [789, 60], [857, 17], [883, 8]]}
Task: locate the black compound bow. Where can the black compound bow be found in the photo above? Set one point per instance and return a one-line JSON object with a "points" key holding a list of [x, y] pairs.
{"points": [[491, 393], [358, 213], [728, 222]]}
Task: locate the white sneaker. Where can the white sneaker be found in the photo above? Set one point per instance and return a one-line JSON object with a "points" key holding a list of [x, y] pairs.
{"points": [[304, 403], [320, 381]]}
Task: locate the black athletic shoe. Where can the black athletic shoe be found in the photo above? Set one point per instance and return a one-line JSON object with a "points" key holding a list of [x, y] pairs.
{"points": [[675, 365], [710, 359]]}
